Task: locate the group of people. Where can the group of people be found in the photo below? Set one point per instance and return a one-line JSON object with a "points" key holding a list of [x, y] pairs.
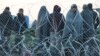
{"points": [[79, 25], [9, 23]]}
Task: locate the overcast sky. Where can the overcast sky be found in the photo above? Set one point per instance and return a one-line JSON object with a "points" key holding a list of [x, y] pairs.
{"points": [[32, 7]]}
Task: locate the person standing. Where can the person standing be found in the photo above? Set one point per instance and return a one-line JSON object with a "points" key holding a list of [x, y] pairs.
{"points": [[88, 23], [42, 26], [56, 21], [6, 27], [6, 22], [73, 24], [20, 22], [96, 20]]}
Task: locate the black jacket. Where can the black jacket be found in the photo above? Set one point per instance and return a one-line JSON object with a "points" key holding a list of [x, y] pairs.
{"points": [[19, 23], [6, 23], [56, 21]]}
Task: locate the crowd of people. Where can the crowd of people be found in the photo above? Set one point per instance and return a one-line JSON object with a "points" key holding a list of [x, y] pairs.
{"points": [[81, 25]]}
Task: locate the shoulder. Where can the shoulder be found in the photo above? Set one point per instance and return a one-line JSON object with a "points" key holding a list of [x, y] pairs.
{"points": [[94, 12], [2, 14]]}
